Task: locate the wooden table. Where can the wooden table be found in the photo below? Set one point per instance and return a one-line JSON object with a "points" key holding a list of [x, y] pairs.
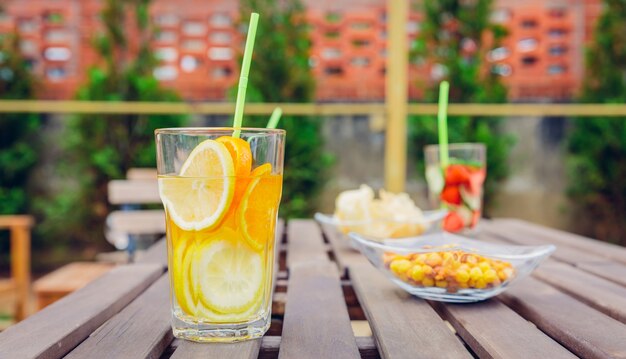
{"points": [[574, 305]]}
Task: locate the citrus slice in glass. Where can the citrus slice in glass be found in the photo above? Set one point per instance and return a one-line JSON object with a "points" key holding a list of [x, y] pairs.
{"points": [[257, 211], [230, 275], [201, 195]]}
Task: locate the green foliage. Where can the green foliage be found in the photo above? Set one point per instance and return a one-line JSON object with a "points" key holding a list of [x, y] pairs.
{"points": [[280, 72], [18, 155], [99, 148], [597, 146], [452, 40]]}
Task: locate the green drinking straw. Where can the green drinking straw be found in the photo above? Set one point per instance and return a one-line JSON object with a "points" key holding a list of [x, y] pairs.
{"points": [[245, 70], [273, 122], [442, 117]]}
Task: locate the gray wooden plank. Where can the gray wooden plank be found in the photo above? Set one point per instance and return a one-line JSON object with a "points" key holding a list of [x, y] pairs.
{"points": [[404, 327], [270, 346], [57, 329], [141, 330], [143, 221], [607, 297], [589, 262], [493, 330], [244, 350], [345, 255], [133, 192], [316, 323], [583, 330], [305, 244], [156, 254], [589, 245]]}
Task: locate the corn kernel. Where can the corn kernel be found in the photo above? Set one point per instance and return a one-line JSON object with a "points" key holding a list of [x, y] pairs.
{"points": [[480, 284], [484, 266], [507, 272], [463, 285], [441, 283], [428, 282], [462, 276], [433, 259], [421, 258], [475, 273], [428, 270], [490, 275], [400, 266], [417, 273]]}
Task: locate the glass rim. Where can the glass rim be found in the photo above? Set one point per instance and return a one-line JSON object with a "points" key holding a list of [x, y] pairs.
{"points": [[211, 130], [457, 146]]}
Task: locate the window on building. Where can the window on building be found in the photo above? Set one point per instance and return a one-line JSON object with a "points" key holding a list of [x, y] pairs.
{"points": [[31, 64], [221, 72], [557, 32], [557, 50], [360, 42], [28, 47], [220, 53], [53, 17], [333, 17], [502, 69], [194, 28], [333, 71], [360, 25], [360, 61], [6, 74], [556, 69], [330, 53], [193, 45], [56, 73], [166, 54], [529, 60], [166, 20], [166, 73], [56, 35], [4, 17], [190, 63], [26, 25], [498, 54], [529, 23], [166, 36], [220, 20], [220, 37], [413, 26], [528, 44], [57, 54], [332, 34], [500, 16]]}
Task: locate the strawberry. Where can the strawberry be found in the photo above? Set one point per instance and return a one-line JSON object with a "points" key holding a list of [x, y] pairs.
{"points": [[451, 195], [453, 222], [475, 181], [457, 174]]}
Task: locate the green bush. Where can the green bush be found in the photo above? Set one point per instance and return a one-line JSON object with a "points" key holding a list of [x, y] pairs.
{"points": [[99, 148], [597, 146], [280, 72], [458, 52]]}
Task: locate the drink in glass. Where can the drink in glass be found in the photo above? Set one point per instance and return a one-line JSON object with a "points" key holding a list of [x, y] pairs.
{"points": [[459, 186], [221, 196]]}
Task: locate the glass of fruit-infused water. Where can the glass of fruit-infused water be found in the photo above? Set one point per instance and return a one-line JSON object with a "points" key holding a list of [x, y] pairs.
{"points": [[459, 186], [221, 195]]}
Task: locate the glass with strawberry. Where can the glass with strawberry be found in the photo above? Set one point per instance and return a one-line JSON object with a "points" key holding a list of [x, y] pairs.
{"points": [[458, 185]]}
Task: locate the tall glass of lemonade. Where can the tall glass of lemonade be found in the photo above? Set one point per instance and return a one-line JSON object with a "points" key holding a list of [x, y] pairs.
{"points": [[220, 188]]}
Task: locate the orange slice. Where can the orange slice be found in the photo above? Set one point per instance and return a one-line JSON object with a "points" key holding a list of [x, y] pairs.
{"points": [[259, 206]]}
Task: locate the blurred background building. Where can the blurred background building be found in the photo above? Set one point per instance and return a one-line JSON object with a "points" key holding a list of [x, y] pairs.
{"points": [[198, 43]]}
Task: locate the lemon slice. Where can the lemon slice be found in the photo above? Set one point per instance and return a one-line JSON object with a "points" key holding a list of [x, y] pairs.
{"points": [[200, 196], [182, 268], [230, 274]]}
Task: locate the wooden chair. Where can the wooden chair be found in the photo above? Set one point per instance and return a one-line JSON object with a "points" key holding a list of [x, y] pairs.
{"points": [[140, 188], [19, 283]]}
